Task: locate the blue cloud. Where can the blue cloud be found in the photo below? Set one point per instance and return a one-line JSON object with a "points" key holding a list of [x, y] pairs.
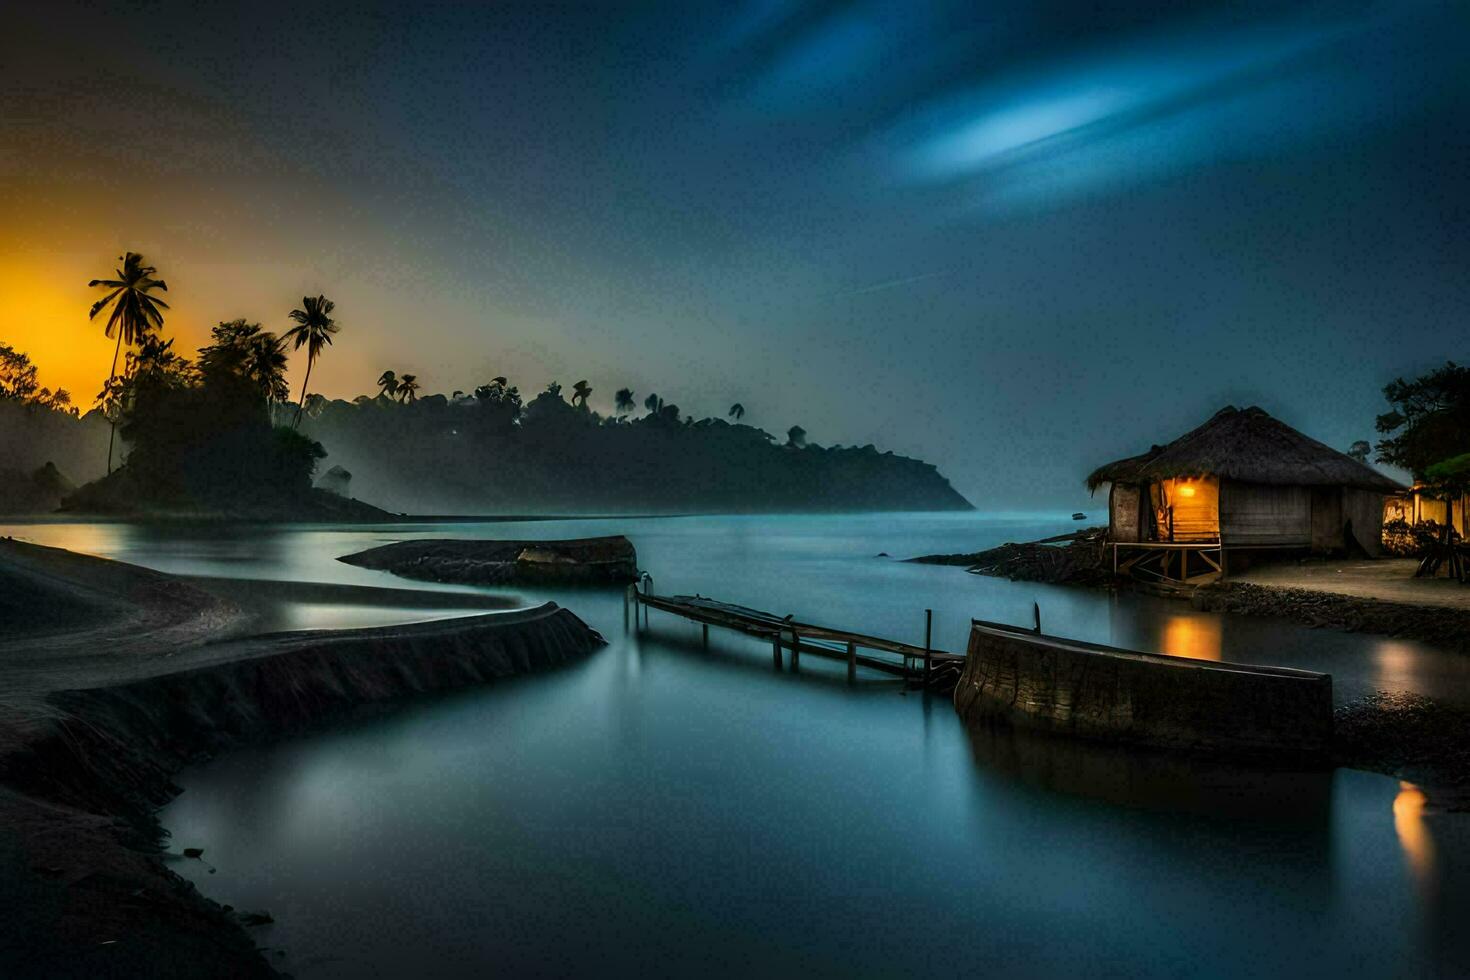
{"points": [[1158, 106]]}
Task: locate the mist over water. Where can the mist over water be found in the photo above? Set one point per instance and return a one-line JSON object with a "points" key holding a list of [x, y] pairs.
{"points": [[662, 808]]}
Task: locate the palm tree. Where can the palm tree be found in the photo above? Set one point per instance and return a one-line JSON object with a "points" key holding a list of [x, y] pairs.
{"points": [[155, 361], [408, 388], [313, 330], [737, 411], [580, 390], [796, 436], [265, 365], [134, 313], [388, 382], [654, 404], [624, 401]]}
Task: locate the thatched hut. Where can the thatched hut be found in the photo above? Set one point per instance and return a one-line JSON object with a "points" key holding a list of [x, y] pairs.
{"points": [[1242, 481]]}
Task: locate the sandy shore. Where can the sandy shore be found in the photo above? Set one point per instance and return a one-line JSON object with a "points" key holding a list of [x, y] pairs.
{"points": [[1383, 579], [117, 676]]}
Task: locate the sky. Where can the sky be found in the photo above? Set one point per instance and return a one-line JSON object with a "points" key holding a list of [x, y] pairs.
{"points": [[1015, 239]]}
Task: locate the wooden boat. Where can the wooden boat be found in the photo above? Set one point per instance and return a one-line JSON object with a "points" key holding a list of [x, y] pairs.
{"points": [[1028, 679]]}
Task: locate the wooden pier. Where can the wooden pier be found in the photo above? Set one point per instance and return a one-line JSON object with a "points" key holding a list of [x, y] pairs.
{"points": [[917, 664]]}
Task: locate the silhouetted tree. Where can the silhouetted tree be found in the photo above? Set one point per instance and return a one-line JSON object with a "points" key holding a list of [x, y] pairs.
{"points": [[17, 375], [408, 389], [1360, 450], [244, 350], [58, 400], [314, 329], [134, 313], [737, 411], [388, 384], [580, 391], [796, 436], [623, 401], [266, 367], [155, 364], [1430, 420], [654, 404]]}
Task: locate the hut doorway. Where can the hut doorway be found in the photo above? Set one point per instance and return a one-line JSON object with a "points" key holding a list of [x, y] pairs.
{"points": [[1193, 509]]}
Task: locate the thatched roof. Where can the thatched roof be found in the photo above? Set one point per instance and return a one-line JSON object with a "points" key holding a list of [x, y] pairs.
{"points": [[1250, 446]]}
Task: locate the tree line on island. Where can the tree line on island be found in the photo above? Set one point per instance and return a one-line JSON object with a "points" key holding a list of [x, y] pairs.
{"points": [[219, 433], [216, 433]]}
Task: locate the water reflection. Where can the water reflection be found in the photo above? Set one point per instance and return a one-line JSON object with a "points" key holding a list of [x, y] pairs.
{"points": [[1414, 836], [1192, 635], [1162, 782]]}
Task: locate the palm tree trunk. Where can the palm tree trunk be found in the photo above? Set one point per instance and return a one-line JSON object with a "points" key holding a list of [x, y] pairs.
{"points": [[302, 404], [112, 433]]}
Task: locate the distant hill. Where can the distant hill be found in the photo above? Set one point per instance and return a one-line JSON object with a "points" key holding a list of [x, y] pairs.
{"points": [[475, 455], [32, 436]]}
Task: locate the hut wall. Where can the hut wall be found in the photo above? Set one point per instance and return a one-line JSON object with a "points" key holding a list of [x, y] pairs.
{"points": [[1365, 509], [1424, 507], [1428, 509], [1326, 519], [1196, 508], [1125, 514], [1260, 514]]}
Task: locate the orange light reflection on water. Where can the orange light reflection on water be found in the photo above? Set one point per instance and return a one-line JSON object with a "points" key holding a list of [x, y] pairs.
{"points": [[1195, 637], [1413, 832]]}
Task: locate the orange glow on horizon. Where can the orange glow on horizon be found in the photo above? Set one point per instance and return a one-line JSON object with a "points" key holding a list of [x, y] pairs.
{"points": [[43, 314]]}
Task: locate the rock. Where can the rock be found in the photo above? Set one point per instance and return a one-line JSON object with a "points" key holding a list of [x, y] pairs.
{"points": [[579, 561], [261, 918], [336, 480], [1075, 558], [193, 852]]}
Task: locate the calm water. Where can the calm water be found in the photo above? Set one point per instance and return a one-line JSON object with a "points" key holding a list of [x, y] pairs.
{"points": [[662, 809]]}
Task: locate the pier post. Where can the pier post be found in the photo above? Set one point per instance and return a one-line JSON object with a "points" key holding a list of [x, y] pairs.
{"points": [[1036, 612], [928, 644], [851, 661], [776, 649], [626, 599], [795, 650], [706, 635]]}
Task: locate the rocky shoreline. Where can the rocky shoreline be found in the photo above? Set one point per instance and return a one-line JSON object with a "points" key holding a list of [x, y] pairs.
{"points": [[1448, 628], [1067, 559], [92, 731], [1411, 737]]}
